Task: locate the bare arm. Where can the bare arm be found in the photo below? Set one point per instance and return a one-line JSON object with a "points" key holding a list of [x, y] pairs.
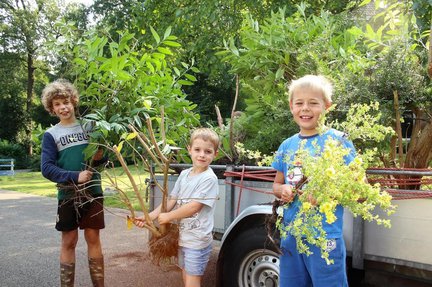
{"points": [[157, 211], [184, 211], [139, 221]]}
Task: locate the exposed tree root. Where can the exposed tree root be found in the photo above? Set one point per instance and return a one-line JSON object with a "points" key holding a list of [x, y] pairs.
{"points": [[164, 249]]}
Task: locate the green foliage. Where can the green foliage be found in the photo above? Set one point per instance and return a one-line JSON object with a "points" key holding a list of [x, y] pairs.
{"points": [[26, 28], [367, 62], [124, 81], [365, 127], [15, 151], [11, 106], [274, 52], [394, 62], [389, 60], [256, 156], [423, 12], [201, 27]]}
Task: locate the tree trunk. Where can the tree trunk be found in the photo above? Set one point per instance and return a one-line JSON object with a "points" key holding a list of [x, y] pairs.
{"points": [[29, 102], [420, 148], [398, 127], [430, 53]]}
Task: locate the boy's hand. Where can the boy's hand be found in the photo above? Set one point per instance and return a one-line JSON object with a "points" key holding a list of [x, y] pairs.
{"points": [[139, 221], [84, 176], [287, 194], [164, 218], [312, 200]]}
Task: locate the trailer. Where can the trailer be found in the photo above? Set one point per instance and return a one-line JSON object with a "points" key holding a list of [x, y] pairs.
{"points": [[399, 256]]}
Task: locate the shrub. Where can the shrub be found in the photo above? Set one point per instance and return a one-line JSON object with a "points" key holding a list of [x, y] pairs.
{"points": [[15, 151]]}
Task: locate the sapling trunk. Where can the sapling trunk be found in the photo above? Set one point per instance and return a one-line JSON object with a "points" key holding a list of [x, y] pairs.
{"points": [[150, 226]]}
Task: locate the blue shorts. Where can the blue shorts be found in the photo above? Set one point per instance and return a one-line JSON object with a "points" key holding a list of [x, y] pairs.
{"points": [[301, 270], [194, 261]]}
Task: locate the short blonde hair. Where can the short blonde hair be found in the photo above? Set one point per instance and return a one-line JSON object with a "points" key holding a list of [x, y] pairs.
{"points": [[317, 83], [59, 89], [205, 134]]}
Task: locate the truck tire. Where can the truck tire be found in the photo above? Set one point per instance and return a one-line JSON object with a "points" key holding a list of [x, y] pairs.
{"points": [[251, 260]]}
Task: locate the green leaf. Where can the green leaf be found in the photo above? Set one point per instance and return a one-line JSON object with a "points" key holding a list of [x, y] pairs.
{"points": [[342, 52], [80, 62], [137, 121], [191, 77], [233, 48], [176, 71], [147, 104], [181, 123], [124, 76], [185, 83], [172, 44], [150, 66], [279, 73], [155, 35], [167, 32], [172, 38], [166, 51]]}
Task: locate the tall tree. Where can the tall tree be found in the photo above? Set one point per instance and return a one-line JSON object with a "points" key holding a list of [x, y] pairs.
{"points": [[201, 27], [22, 35], [26, 27], [396, 64], [11, 97]]}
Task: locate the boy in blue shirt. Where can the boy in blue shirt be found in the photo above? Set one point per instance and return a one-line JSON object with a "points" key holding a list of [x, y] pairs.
{"points": [[309, 98], [80, 201]]}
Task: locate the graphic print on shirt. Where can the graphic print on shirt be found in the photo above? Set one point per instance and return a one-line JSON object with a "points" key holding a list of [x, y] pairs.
{"points": [[71, 136], [190, 222], [81, 137], [194, 223], [294, 174]]}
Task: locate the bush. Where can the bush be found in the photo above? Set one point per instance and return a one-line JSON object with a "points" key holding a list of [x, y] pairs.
{"points": [[15, 151]]}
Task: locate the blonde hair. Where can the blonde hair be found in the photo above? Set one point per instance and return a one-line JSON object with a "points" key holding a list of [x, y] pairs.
{"points": [[59, 89], [205, 134], [314, 82]]}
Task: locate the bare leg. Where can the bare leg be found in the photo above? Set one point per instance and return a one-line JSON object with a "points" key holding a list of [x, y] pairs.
{"points": [[95, 256], [67, 258], [191, 280]]}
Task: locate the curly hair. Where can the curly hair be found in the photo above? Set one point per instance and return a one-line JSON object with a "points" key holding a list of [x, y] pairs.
{"points": [[59, 89]]}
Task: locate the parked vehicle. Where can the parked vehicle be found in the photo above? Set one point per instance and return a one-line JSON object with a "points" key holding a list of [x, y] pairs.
{"points": [[248, 257]]}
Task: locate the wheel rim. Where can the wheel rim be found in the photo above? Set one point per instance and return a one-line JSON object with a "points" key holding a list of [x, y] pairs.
{"points": [[260, 268]]}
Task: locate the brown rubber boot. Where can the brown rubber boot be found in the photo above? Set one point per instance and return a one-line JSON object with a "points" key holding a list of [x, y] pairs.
{"points": [[67, 274], [96, 266]]}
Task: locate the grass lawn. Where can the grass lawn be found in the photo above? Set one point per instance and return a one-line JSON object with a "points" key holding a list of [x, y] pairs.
{"points": [[35, 183]]}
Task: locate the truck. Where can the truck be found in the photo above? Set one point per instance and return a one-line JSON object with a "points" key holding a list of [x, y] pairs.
{"points": [[248, 257]]}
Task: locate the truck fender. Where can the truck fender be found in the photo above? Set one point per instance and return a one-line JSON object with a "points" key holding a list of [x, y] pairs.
{"points": [[248, 257]]}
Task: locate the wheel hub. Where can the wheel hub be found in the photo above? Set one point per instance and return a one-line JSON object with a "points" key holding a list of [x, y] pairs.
{"points": [[261, 270]]}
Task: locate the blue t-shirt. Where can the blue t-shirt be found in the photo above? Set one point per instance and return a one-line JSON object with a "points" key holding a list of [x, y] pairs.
{"points": [[284, 162]]}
